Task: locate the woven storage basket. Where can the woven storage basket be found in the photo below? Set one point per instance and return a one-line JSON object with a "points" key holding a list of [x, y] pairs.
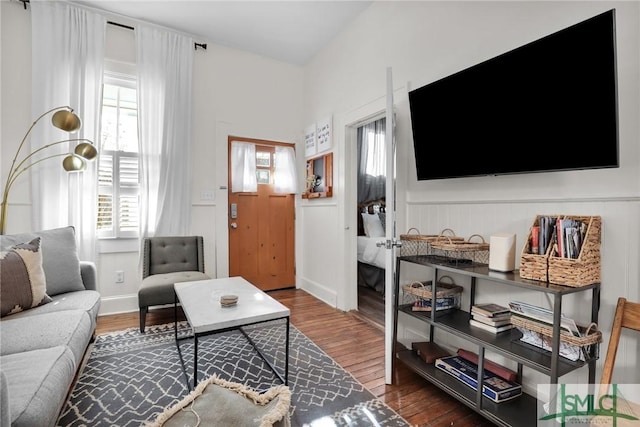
{"points": [[414, 243], [591, 335], [459, 250], [584, 270], [420, 295], [535, 266]]}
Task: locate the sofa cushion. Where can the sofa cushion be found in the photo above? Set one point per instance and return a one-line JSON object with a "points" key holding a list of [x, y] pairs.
{"points": [[71, 328], [38, 382], [23, 278], [88, 301], [5, 414], [59, 257]]}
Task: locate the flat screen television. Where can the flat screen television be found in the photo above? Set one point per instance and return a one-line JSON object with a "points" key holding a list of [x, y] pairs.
{"points": [[550, 105]]}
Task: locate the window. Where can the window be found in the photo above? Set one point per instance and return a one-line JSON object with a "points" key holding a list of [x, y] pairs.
{"points": [[263, 166], [118, 167]]}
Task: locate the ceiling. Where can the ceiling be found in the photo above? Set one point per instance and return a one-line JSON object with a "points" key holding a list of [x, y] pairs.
{"points": [[289, 31]]}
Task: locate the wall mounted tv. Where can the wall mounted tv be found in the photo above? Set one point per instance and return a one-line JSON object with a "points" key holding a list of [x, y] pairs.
{"points": [[550, 105]]}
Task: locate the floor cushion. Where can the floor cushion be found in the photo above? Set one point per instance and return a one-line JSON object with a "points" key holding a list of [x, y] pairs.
{"points": [[219, 402]]}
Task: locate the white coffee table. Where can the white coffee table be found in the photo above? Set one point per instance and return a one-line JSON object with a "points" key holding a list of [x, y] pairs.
{"points": [[200, 301]]}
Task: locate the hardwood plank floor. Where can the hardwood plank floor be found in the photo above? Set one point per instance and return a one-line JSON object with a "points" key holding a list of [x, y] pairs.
{"points": [[371, 304], [358, 346]]}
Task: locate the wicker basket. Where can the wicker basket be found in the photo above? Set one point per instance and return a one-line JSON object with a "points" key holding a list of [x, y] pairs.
{"points": [[420, 295], [461, 251], [414, 243], [571, 347], [532, 265], [581, 271], [584, 270]]}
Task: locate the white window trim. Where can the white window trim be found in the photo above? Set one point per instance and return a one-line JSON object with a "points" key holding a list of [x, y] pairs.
{"points": [[121, 74]]}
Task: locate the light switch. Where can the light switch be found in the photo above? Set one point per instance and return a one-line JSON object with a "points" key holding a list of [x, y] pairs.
{"points": [[208, 195]]}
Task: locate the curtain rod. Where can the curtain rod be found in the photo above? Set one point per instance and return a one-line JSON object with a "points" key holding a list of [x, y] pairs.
{"points": [[128, 27]]}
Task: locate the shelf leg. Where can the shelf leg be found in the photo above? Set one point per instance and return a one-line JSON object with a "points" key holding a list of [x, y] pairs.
{"points": [[480, 377], [555, 343]]}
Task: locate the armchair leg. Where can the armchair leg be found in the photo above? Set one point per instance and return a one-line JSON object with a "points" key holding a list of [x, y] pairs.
{"points": [[143, 317]]}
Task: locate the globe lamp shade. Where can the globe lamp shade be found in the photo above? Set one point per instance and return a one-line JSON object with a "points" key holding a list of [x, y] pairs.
{"points": [[73, 163], [86, 151], [66, 120]]}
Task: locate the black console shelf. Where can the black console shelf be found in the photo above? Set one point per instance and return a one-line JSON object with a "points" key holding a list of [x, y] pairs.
{"points": [[521, 411]]}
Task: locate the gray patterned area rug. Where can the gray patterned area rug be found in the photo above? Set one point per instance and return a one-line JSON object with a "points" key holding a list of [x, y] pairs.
{"points": [[130, 378]]}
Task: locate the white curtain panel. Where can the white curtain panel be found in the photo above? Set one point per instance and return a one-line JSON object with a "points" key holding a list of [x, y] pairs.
{"points": [[284, 179], [67, 63], [165, 74], [243, 167]]}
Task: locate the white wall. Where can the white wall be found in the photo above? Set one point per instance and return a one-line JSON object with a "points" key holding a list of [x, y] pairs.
{"points": [[425, 41], [235, 93]]}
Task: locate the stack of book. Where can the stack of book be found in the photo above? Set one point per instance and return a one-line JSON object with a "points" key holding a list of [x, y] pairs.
{"points": [[494, 387], [491, 317]]}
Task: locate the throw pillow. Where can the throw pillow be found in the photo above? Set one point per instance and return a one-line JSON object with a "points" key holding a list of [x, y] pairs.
{"points": [[23, 280], [59, 258], [372, 225]]}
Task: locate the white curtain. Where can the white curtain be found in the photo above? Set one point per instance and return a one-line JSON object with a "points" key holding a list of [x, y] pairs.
{"points": [[243, 167], [165, 73], [67, 63], [284, 179]]}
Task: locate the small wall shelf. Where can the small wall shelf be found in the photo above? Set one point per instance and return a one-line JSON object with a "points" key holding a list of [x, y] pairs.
{"points": [[319, 177]]}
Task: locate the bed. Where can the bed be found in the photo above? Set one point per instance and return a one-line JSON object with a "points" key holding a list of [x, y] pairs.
{"points": [[371, 258]]}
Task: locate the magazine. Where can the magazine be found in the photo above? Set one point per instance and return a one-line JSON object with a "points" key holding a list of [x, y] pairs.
{"points": [[544, 315]]}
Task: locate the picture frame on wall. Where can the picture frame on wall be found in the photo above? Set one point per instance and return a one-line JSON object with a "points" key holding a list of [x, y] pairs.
{"points": [[310, 140], [323, 134]]}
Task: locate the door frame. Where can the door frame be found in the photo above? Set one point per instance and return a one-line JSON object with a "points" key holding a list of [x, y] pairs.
{"points": [[367, 114], [353, 119]]}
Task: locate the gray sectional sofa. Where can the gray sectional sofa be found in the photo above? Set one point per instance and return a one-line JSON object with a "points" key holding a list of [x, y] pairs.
{"points": [[42, 347]]}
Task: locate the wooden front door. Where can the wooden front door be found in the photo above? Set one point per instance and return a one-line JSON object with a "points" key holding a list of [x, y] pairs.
{"points": [[261, 227]]}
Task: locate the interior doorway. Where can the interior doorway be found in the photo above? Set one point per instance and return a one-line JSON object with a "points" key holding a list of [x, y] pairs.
{"points": [[371, 212], [261, 220]]}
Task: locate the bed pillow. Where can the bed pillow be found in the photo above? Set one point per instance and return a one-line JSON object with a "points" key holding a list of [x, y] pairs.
{"points": [[383, 219], [23, 281], [372, 225]]}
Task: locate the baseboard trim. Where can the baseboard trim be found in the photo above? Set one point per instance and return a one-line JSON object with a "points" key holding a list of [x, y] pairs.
{"points": [[118, 304], [324, 294]]}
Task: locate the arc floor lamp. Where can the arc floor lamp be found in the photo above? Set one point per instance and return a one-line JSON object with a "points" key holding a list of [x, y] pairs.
{"points": [[64, 118]]}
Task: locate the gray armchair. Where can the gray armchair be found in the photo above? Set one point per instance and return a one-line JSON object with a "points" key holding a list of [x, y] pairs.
{"points": [[168, 260]]}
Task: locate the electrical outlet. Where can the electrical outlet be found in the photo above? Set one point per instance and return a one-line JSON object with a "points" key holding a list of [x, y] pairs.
{"points": [[119, 276]]}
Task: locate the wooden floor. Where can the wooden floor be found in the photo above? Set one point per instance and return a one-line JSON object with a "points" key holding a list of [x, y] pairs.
{"points": [[371, 304], [358, 348]]}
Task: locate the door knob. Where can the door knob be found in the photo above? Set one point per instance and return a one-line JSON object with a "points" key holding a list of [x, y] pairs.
{"points": [[234, 225]]}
